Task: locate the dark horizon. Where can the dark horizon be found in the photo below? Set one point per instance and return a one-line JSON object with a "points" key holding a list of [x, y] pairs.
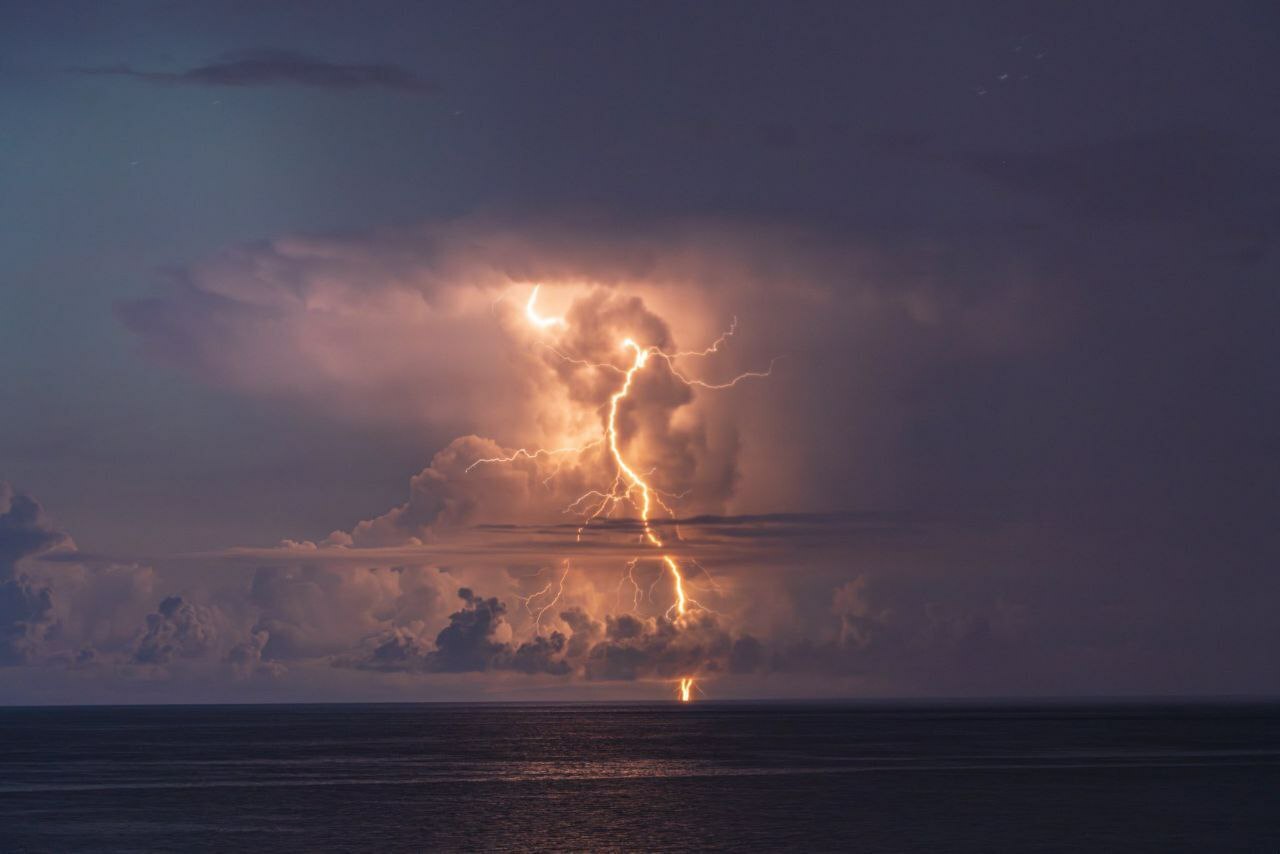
{"points": [[647, 777], [1020, 702]]}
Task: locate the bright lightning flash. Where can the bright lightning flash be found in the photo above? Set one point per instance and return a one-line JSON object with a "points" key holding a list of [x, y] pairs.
{"points": [[629, 485], [532, 313], [686, 690]]}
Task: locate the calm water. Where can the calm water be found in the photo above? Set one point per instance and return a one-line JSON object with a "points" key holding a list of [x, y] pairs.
{"points": [[813, 778]]}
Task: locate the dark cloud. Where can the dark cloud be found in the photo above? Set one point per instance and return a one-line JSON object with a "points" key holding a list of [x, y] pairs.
{"points": [[25, 530], [26, 617], [178, 629], [397, 650], [540, 655], [585, 631], [468, 644], [269, 66], [1189, 174], [26, 606], [636, 648], [622, 648]]}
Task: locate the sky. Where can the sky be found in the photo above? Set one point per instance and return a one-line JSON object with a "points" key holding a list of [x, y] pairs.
{"points": [[975, 301]]}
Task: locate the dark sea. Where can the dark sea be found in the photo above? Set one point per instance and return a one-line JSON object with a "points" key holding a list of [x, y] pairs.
{"points": [[749, 777]]}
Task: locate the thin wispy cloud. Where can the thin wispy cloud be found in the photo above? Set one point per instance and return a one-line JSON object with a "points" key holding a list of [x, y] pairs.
{"points": [[272, 67]]}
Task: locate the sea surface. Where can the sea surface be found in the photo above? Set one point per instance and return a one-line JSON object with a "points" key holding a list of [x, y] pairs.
{"points": [[750, 777]]}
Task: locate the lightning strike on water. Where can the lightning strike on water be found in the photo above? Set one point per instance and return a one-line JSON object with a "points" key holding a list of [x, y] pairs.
{"points": [[686, 689], [629, 486]]}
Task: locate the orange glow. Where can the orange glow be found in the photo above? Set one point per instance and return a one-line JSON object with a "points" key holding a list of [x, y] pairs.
{"points": [[686, 689], [537, 319], [537, 614], [629, 486], [628, 482], [533, 455]]}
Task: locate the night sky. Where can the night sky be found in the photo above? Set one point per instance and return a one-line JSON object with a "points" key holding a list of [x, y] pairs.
{"points": [[263, 281]]}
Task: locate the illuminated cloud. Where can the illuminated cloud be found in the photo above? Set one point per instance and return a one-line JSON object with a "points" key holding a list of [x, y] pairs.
{"points": [[426, 328], [430, 329], [520, 337]]}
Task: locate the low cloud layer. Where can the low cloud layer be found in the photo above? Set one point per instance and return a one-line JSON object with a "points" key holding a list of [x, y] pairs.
{"points": [[476, 639], [881, 615]]}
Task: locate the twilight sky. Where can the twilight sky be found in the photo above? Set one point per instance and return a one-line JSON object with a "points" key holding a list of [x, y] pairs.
{"points": [[263, 282]]}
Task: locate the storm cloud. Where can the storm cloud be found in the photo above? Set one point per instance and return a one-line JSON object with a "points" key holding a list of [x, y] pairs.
{"points": [[476, 639], [1013, 271], [26, 606], [176, 629]]}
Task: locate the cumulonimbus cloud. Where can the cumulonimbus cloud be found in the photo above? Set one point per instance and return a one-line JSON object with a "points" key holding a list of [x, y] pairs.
{"points": [[427, 327], [26, 605], [424, 326]]}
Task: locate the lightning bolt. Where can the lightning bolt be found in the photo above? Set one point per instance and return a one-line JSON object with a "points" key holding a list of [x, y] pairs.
{"points": [[528, 600], [629, 482], [534, 454], [629, 486], [537, 319], [686, 689]]}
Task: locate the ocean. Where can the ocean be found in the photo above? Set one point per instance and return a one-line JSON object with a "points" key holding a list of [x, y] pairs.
{"points": [[660, 777]]}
